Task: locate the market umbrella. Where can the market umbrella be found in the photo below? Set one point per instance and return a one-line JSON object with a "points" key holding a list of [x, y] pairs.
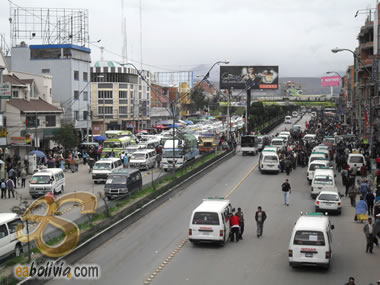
{"points": [[160, 127], [38, 153], [189, 122], [99, 139]]}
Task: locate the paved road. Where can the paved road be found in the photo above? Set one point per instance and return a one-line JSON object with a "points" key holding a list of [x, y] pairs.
{"points": [[133, 255]]}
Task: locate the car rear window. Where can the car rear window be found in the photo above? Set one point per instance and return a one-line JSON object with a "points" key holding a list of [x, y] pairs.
{"points": [[314, 166], [270, 158], [206, 218], [309, 238], [356, 159], [323, 179], [328, 197]]}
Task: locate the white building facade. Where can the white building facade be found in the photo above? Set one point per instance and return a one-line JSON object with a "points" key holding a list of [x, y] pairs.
{"points": [[69, 66]]}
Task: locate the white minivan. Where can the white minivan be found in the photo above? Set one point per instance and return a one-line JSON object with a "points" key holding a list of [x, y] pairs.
{"points": [[356, 160], [143, 159], [47, 180], [269, 161], [210, 221], [103, 167], [288, 120], [319, 163], [279, 143], [311, 241], [9, 244], [323, 180]]}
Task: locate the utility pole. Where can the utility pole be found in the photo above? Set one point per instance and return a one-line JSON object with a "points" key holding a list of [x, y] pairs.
{"points": [[174, 115]]}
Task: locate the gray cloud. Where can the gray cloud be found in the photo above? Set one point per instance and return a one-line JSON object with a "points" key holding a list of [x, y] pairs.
{"points": [[295, 34]]}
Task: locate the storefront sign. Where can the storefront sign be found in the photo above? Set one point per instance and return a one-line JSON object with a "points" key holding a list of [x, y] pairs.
{"points": [[5, 90]]}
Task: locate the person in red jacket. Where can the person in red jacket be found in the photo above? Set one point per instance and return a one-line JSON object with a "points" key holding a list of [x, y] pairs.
{"points": [[235, 227]]}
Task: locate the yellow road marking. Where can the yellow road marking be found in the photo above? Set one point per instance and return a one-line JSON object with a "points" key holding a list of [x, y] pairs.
{"points": [[241, 181], [181, 245]]}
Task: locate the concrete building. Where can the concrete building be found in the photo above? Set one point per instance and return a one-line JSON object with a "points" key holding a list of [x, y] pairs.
{"points": [[120, 100], [29, 116], [69, 66]]}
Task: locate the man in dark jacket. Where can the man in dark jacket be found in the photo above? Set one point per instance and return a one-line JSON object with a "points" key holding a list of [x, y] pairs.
{"points": [[241, 217], [260, 218], [286, 190]]}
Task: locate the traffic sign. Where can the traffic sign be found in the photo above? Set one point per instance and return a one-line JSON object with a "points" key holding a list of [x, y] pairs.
{"points": [[5, 90]]}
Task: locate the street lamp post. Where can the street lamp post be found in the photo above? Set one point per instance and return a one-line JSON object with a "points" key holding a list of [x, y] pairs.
{"points": [[356, 57]]}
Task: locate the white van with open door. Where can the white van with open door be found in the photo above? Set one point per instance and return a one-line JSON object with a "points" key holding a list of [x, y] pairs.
{"points": [[210, 221], [311, 241], [47, 180]]}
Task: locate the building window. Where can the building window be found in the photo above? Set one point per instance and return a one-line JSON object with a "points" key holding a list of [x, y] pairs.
{"points": [[147, 88], [123, 94], [85, 115], [76, 95], [85, 96], [140, 95], [130, 86], [132, 95], [105, 94], [50, 121], [106, 110], [140, 87], [123, 110], [85, 76], [15, 93], [76, 75], [45, 70], [76, 115], [32, 121]]}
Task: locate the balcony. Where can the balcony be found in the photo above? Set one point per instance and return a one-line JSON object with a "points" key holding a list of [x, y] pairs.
{"points": [[367, 45]]}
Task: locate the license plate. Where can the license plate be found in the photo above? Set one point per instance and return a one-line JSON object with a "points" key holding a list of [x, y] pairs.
{"points": [[205, 233], [270, 165], [308, 254]]}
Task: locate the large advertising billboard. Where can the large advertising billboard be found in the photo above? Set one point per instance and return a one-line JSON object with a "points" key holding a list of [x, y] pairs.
{"points": [[249, 77], [327, 81]]}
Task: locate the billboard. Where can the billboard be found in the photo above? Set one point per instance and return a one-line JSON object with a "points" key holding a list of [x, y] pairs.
{"points": [[249, 77], [327, 81]]}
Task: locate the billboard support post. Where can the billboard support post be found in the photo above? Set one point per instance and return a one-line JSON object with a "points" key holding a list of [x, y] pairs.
{"points": [[247, 126]]}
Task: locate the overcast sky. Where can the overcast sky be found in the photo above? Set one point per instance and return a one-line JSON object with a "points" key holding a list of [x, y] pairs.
{"points": [[297, 35]]}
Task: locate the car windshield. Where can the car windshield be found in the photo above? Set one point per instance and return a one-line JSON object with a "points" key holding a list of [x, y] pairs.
{"points": [[102, 166], [279, 142], [138, 156], [328, 197], [117, 179], [40, 179], [270, 158], [309, 238], [356, 159], [316, 158], [323, 179], [206, 218], [169, 153], [115, 144]]}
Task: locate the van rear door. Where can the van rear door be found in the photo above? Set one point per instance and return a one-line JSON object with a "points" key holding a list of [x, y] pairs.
{"points": [[310, 246], [206, 226]]}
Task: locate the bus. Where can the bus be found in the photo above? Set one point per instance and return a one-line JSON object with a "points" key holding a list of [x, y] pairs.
{"points": [[117, 134], [117, 145]]}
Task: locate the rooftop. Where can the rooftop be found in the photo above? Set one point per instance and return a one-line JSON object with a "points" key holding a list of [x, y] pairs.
{"points": [[33, 106]]}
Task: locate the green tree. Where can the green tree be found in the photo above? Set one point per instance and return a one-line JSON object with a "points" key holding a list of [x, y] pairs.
{"points": [[66, 136], [198, 98]]}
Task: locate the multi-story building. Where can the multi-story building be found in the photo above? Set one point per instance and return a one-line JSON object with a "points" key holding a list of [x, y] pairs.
{"points": [[29, 116], [69, 66], [120, 99], [365, 82]]}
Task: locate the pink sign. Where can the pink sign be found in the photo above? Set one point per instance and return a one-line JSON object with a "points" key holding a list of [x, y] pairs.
{"points": [[327, 81]]}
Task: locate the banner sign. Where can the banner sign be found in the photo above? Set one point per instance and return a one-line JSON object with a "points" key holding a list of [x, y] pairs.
{"points": [[249, 77], [327, 81], [5, 90]]}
